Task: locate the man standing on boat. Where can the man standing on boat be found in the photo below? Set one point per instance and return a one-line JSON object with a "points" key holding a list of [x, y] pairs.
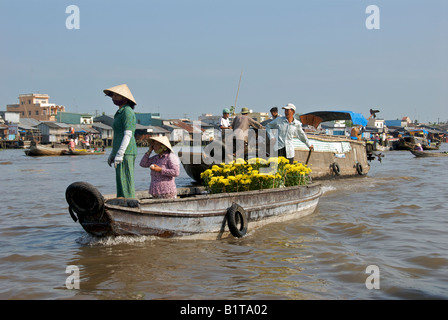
{"points": [[241, 125], [124, 147], [287, 127]]}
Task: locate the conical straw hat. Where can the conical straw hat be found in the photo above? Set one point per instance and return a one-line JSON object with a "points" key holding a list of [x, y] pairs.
{"points": [[163, 140], [122, 90]]}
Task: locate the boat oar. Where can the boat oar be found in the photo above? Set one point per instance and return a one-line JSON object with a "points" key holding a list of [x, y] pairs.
{"points": [[309, 155]]}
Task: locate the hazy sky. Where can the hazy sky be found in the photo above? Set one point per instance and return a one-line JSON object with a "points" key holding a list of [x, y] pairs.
{"points": [[186, 57]]}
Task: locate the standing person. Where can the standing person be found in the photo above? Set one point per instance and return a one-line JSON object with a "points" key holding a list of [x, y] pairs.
{"points": [[288, 127], [241, 125], [164, 167], [225, 121], [124, 147], [71, 145]]}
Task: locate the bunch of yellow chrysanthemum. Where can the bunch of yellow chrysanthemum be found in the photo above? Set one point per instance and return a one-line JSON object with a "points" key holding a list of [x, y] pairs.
{"points": [[255, 174]]}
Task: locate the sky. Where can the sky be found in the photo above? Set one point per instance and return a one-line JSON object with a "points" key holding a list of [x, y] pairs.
{"points": [[186, 58]]}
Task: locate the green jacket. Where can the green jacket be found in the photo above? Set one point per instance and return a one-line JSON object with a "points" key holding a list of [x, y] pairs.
{"points": [[124, 119]]}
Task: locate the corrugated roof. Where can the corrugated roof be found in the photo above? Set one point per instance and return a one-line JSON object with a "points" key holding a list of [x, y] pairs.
{"points": [[101, 125]]}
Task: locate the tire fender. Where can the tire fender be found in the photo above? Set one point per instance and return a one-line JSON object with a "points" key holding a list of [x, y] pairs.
{"points": [[84, 199], [359, 169], [237, 216], [336, 169]]}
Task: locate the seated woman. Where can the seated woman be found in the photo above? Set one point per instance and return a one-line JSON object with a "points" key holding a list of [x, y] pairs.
{"points": [[165, 166], [418, 147]]}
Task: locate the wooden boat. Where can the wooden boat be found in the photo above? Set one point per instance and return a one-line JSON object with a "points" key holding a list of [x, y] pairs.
{"points": [[81, 152], [192, 215], [41, 150], [333, 156], [409, 142], [431, 146], [424, 154]]}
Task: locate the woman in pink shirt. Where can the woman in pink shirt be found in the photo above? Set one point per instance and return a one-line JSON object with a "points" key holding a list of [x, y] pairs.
{"points": [[164, 167], [71, 145]]}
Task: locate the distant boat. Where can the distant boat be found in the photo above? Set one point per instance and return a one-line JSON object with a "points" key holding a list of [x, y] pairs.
{"points": [[82, 152], [409, 142], [41, 150], [423, 154], [193, 214]]}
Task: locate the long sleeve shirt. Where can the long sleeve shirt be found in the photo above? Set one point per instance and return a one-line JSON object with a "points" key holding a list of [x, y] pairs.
{"points": [[286, 133], [241, 125], [162, 182], [124, 119]]}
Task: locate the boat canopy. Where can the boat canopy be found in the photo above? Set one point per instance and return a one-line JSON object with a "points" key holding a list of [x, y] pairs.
{"points": [[316, 117], [412, 132]]}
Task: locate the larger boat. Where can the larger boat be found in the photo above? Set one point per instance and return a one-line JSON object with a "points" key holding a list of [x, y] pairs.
{"points": [[333, 155]]}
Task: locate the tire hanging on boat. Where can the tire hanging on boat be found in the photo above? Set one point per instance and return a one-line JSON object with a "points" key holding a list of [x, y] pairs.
{"points": [[84, 199], [336, 169], [237, 216], [359, 169]]}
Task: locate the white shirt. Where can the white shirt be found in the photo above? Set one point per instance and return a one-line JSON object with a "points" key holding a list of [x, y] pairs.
{"points": [[285, 134], [224, 123]]}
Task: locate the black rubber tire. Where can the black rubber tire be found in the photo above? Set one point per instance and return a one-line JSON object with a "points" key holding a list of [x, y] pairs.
{"points": [[359, 169], [336, 169], [84, 199], [236, 215], [72, 214]]}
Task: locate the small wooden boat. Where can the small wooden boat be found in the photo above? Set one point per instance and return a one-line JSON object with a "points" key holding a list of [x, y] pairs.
{"points": [[431, 146], [424, 154], [192, 215], [41, 150], [82, 152], [409, 142]]}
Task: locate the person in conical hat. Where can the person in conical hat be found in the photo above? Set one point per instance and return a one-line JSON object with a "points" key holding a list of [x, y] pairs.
{"points": [[124, 147], [163, 140], [119, 92], [165, 167]]}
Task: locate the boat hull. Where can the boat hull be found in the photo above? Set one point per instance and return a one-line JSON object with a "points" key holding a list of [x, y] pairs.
{"points": [[423, 154], [201, 216], [81, 153], [38, 150]]}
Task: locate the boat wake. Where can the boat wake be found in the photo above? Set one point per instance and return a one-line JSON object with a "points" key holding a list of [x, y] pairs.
{"points": [[327, 189], [89, 240]]}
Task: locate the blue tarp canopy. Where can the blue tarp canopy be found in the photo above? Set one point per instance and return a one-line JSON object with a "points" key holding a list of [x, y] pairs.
{"points": [[420, 130], [316, 117]]}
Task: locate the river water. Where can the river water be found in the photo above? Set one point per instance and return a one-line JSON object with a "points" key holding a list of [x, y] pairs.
{"points": [[394, 219]]}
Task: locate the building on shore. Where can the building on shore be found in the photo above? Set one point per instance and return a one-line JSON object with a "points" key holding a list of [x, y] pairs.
{"points": [[36, 106], [74, 118]]}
